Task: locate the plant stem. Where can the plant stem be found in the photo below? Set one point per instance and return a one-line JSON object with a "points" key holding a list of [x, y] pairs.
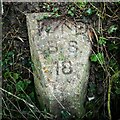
{"points": [[109, 91], [108, 102]]}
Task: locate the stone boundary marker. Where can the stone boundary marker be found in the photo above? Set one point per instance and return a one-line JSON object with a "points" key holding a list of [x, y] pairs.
{"points": [[60, 52]]}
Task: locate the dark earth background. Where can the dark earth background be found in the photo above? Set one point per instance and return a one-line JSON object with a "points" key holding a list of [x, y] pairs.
{"points": [[17, 64]]}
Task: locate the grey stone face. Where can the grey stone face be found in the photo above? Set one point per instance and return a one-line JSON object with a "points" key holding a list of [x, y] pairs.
{"points": [[60, 51]]}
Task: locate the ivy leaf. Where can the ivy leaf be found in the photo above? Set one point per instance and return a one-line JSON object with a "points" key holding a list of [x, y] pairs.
{"points": [[99, 57], [15, 76], [112, 29], [93, 58], [55, 10], [102, 41], [82, 4], [22, 85], [89, 11], [70, 13]]}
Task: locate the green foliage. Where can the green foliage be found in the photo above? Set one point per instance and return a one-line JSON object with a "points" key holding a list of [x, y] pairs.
{"points": [[92, 88], [71, 11], [102, 40], [82, 4], [65, 115], [117, 91], [22, 85], [113, 64], [32, 96], [15, 76], [11, 75], [55, 12], [89, 11], [112, 46], [43, 17], [48, 7], [116, 84], [90, 107], [112, 29], [7, 59], [99, 57], [55, 9]]}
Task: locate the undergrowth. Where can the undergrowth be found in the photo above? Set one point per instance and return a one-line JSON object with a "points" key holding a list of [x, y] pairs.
{"points": [[102, 102]]}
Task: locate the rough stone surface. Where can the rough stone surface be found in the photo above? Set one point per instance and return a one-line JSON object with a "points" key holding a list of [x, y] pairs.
{"points": [[60, 51]]}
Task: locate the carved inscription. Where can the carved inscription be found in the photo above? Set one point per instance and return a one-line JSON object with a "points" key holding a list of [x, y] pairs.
{"points": [[52, 47], [62, 55], [67, 64], [73, 46], [66, 67]]}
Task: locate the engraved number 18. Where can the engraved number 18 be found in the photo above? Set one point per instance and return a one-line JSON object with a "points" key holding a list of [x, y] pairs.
{"points": [[66, 67]]}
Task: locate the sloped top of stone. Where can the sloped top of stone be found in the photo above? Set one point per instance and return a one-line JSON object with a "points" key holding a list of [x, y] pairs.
{"points": [[48, 24]]}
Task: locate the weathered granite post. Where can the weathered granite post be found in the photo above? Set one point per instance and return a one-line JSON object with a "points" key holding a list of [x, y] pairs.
{"points": [[60, 52]]}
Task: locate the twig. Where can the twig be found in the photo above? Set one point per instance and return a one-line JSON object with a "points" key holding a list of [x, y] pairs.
{"points": [[108, 102], [17, 109], [113, 38], [17, 97], [99, 10]]}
